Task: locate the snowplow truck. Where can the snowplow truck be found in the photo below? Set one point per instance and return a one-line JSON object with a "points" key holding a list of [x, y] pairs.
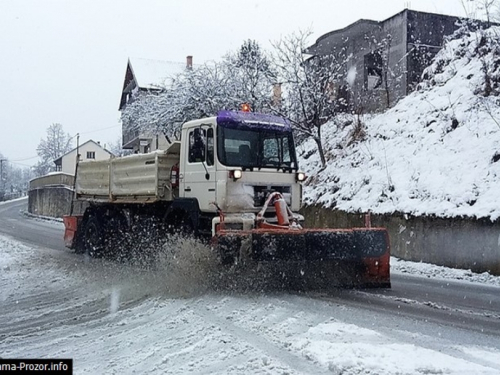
{"points": [[234, 179]]}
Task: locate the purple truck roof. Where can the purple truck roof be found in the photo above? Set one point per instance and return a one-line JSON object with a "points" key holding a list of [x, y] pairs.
{"points": [[252, 120]]}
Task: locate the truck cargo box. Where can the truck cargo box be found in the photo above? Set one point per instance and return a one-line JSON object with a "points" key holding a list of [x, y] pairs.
{"points": [[133, 178]]}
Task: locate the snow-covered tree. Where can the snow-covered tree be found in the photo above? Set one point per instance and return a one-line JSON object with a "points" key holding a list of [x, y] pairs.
{"points": [[116, 148], [55, 145], [247, 76], [13, 179], [488, 10], [252, 76], [242, 77], [191, 94], [309, 85]]}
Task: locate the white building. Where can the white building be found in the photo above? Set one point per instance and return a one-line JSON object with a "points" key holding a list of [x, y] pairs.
{"points": [[89, 150]]}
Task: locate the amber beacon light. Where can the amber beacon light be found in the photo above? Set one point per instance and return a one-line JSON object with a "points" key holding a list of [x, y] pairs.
{"points": [[245, 107]]}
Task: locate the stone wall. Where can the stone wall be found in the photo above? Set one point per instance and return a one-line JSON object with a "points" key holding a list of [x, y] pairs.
{"points": [[458, 243]]}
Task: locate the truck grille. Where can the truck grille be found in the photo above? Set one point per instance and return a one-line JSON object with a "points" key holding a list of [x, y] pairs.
{"points": [[262, 192]]}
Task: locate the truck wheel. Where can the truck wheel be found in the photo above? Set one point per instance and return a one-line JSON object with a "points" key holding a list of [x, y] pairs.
{"points": [[186, 228], [117, 237], [93, 239]]}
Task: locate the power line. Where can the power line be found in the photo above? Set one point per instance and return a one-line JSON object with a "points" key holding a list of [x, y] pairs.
{"points": [[31, 157], [98, 130], [21, 164]]}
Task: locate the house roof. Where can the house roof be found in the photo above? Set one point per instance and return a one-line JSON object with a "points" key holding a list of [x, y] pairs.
{"points": [[58, 161], [147, 74], [152, 74]]}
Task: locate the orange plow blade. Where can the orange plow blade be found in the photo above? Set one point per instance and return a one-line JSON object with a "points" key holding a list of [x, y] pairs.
{"points": [[70, 229], [356, 257]]}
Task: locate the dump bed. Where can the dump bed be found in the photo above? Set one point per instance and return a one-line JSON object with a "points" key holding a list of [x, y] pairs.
{"points": [[136, 178]]}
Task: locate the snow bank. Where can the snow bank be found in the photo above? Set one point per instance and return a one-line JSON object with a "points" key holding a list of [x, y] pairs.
{"points": [[435, 153], [13, 200], [441, 272]]}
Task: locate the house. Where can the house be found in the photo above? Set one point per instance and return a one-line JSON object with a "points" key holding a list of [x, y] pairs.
{"points": [[144, 75], [89, 150], [383, 61]]}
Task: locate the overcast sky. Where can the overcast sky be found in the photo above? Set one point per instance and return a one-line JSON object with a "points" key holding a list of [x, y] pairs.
{"points": [[64, 60]]}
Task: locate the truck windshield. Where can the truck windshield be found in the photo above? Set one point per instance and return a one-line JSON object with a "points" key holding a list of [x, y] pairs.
{"points": [[256, 148]]}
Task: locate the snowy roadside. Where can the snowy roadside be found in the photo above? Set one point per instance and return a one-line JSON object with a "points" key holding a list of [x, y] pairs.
{"points": [[113, 320], [23, 268], [33, 216], [439, 272], [42, 218], [13, 200]]}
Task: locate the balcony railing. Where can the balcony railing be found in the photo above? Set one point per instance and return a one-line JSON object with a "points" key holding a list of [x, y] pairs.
{"points": [[129, 135]]}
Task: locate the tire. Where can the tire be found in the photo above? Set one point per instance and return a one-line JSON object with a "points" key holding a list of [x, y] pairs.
{"points": [[186, 227], [117, 237], [178, 223], [93, 237], [226, 248]]}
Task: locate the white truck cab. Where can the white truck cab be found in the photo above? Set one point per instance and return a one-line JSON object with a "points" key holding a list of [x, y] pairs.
{"points": [[236, 159]]}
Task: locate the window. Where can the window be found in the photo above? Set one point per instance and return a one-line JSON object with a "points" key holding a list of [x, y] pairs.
{"points": [[197, 145], [256, 147], [373, 70], [210, 146], [90, 154], [201, 146], [276, 150]]}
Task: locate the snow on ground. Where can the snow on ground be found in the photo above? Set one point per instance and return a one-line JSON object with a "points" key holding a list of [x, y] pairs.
{"points": [[117, 319], [435, 153], [42, 218], [20, 268], [440, 272], [13, 200]]}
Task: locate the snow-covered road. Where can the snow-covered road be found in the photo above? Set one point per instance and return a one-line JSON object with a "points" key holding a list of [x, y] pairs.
{"points": [[117, 319]]}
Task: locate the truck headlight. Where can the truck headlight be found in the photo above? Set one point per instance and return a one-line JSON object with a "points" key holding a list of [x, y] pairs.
{"points": [[236, 174], [300, 176]]}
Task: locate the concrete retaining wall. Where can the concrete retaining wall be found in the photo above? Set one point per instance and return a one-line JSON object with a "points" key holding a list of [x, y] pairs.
{"points": [[52, 200], [458, 243], [54, 178]]}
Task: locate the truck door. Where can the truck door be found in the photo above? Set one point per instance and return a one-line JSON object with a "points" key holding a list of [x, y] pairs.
{"points": [[199, 173]]}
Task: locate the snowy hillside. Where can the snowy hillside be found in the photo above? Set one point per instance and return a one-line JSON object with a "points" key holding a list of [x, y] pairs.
{"points": [[435, 153]]}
